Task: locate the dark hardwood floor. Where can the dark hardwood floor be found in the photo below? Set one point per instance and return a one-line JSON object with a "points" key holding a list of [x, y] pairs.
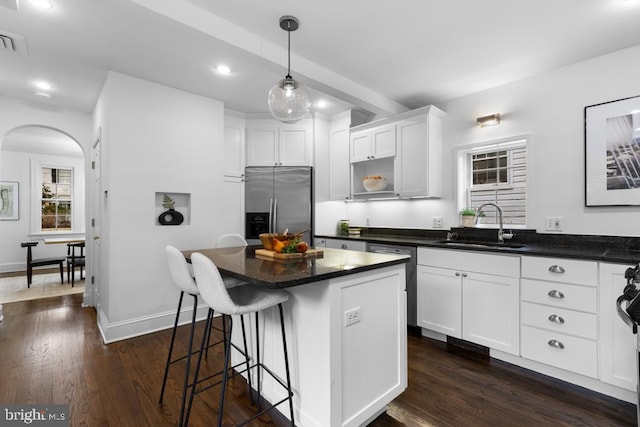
{"points": [[51, 353]]}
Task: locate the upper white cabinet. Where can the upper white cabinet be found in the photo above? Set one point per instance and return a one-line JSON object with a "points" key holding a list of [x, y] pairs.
{"points": [[270, 144], [233, 146], [376, 143], [406, 149], [339, 168], [418, 162]]}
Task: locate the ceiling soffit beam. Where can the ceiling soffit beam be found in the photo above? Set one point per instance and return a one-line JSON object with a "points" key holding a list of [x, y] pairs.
{"points": [[314, 75]]}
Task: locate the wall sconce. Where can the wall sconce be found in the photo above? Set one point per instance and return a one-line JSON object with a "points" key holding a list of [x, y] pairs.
{"points": [[492, 120]]}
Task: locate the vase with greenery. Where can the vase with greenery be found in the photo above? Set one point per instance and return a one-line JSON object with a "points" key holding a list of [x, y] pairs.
{"points": [[468, 217]]}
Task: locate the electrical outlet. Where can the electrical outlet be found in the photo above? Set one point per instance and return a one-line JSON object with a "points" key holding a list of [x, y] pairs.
{"points": [[352, 316], [553, 223], [438, 222]]}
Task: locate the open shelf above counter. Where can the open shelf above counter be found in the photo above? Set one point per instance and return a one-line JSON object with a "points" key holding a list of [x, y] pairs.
{"points": [[405, 149]]}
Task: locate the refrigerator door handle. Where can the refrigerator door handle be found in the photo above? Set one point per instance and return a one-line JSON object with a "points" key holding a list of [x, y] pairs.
{"points": [[271, 216], [275, 215]]}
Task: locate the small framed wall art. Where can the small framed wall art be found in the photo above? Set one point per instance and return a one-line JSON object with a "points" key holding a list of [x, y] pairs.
{"points": [[9, 201], [612, 153]]}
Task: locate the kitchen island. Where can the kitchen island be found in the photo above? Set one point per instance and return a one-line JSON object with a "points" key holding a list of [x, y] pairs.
{"points": [[346, 330]]}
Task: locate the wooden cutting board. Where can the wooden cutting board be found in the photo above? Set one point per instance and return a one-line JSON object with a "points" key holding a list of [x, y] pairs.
{"points": [[310, 253]]}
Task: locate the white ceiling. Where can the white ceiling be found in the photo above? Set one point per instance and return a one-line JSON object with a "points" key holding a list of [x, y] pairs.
{"points": [[380, 56]]}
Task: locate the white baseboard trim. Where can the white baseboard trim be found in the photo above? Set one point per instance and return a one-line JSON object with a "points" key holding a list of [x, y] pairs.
{"points": [[14, 267], [130, 328], [570, 377]]}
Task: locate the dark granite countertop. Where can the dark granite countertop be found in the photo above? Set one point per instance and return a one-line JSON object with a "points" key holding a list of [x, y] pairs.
{"points": [[613, 249], [242, 263]]}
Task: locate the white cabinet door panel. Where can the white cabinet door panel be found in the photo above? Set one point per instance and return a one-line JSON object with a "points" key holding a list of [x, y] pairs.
{"points": [[490, 307], [439, 300]]}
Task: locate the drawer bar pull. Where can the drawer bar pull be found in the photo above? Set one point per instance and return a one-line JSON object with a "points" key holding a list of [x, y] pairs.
{"points": [[556, 294], [556, 344], [556, 269], [556, 319]]}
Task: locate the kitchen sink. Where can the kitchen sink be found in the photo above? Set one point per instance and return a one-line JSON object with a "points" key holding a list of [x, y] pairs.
{"points": [[479, 244]]}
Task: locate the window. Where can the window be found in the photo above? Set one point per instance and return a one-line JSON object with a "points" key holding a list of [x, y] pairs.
{"points": [[495, 172], [57, 200]]}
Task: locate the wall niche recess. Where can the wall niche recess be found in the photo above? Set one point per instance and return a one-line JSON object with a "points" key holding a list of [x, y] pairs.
{"points": [[172, 208]]}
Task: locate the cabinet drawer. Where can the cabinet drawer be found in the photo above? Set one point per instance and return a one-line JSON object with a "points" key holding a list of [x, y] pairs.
{"points": [[578, 355], [583, 273], [497, 265], [346, 244], [571, 297], [559, 320]]}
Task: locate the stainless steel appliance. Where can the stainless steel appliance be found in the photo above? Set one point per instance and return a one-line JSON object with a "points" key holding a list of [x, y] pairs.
{"points": [[412, 275], [630, 314], [278, 198]]}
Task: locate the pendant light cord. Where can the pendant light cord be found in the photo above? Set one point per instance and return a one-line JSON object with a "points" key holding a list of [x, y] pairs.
{"points": [[289, 49]]}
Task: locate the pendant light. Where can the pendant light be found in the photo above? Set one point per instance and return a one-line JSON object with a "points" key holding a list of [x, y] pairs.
{"points": [[288, 99]]}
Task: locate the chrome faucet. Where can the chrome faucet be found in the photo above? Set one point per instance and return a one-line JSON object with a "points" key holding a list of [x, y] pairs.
{"points": [[501, 234]]}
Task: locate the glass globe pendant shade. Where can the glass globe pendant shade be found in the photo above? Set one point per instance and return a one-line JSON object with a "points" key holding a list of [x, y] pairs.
{"points": [[288, 100]]}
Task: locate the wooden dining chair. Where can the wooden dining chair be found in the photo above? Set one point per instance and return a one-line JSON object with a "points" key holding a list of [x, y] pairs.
{"points": [[40, 262], [75, 260]]}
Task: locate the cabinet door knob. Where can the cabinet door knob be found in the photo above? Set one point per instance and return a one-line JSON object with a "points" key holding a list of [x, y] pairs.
{"points": [[457, 274], [555, 294], [556, 269], [344, 246], [556, 319], [464, 274], [556, 344]]}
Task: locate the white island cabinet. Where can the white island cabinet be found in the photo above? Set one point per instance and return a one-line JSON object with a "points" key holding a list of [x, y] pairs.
{"points": [[346, 329]]}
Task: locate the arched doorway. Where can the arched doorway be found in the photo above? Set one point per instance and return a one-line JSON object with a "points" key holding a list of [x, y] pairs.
{"points": [[35, 160]]}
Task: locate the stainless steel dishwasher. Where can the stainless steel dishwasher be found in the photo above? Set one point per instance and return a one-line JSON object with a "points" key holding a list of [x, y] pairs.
{"points": [[412, 278]]}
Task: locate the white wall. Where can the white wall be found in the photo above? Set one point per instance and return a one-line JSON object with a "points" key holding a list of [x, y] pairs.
{"points": [[155, 139], [17, 113], [550, 108], [17, 166]]}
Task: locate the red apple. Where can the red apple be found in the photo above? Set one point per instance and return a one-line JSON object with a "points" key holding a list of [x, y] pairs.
{"points": [[302, 247]]}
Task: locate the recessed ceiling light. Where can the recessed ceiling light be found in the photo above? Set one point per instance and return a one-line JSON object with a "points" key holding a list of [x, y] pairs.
{"points": [[223, 69], [322, 104], [42, 85], [41, 4]]}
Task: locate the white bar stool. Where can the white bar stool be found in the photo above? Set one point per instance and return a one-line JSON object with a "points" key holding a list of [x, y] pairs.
{"points": [[239, 301], [181, 273]]}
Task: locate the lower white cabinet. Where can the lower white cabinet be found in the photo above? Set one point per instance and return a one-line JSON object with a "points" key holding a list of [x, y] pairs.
{"points": [[617, 343], [560, 313], [473, 296]]}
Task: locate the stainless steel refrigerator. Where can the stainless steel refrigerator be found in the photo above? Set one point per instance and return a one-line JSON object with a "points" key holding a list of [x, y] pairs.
{"points": [[278, 198]]}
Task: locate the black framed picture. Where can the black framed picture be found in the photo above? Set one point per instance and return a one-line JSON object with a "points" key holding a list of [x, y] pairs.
{"points": [[612, 153]]}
